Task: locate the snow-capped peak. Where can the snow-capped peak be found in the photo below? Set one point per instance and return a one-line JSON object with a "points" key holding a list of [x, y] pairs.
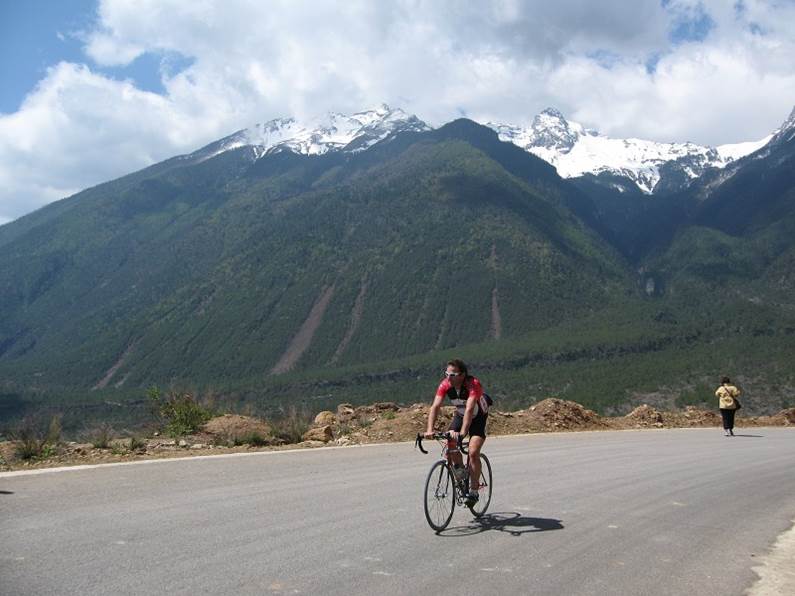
{"points": [[787, 130], [331, 132], [575, 150]]}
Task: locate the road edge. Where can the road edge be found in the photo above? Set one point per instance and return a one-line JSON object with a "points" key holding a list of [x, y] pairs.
{"points": [[776, 573], [53, 470]]}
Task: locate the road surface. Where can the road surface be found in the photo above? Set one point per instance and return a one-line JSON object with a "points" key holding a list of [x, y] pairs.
{"points": [[651, 512]]}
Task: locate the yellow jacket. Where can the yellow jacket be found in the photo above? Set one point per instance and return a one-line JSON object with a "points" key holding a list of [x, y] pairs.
{"points": [[726, 394]]}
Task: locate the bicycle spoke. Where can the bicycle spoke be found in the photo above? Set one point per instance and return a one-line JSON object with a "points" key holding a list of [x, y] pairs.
{"points": [[484, 488], [439, 496]]}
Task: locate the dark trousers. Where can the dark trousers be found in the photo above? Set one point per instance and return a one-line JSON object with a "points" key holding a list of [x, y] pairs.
{"points": [[728, 418]]}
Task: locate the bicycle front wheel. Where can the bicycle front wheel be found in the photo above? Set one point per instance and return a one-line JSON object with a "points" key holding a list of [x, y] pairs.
{"points": [[439, 496], [484, 488]]}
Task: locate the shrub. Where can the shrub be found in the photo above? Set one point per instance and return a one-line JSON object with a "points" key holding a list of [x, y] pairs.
{"points": [[32, 443], [291, 427], [29, 443], [389, 415], [179, 411], [137, 443], [54, 431], [101, 436]]}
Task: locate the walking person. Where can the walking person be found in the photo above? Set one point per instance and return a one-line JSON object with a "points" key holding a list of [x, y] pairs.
{"points": [[728, 403]]}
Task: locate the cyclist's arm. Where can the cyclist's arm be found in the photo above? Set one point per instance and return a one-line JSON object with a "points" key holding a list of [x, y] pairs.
{"points": [[469, 414], [433, 413]]}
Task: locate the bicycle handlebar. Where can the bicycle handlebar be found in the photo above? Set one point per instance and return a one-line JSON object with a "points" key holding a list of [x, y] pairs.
{"points": [[441, 437]]}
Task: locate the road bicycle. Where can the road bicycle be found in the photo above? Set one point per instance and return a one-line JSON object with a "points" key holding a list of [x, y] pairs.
{"points": [[443, 491]]}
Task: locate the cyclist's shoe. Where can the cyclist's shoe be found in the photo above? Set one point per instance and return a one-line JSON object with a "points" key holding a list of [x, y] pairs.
{"points": [[471, 499]]}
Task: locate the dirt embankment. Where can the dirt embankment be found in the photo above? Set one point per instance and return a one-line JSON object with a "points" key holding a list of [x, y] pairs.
{"points": [[377, 423]]}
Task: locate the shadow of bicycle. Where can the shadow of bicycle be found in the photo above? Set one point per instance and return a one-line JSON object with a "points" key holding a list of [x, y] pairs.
{"points": [[510, 522]]}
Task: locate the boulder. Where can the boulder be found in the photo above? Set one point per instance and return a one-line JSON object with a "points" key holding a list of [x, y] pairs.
{"points": [[233, 428], [322, 433], [325, 418], [386, 406], [345, 410]]}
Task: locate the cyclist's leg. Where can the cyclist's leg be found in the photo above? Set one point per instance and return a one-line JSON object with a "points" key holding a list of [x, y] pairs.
{"points": [[475, 444], [455, 425], [477, 436]]}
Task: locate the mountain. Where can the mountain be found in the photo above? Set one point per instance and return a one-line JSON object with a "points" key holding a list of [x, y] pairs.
{"points": [[742, 220], [228, 266], [575, 151], [342, 260]]}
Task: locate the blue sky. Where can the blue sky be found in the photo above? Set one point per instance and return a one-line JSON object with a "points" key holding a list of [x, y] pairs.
{"points": [[38, 34], [91, 90]]}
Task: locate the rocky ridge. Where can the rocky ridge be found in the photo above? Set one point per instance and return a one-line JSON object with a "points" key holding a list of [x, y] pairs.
{"points": [[376, 423]]}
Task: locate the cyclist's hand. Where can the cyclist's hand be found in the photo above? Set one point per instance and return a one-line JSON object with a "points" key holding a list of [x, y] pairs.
{"points": [[454, 434], [428, 435]]}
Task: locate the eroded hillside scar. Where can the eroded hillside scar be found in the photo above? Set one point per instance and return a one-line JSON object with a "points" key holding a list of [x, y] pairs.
{"points": [[103, 382], [303, 339], [356, 317], [496, 319]]}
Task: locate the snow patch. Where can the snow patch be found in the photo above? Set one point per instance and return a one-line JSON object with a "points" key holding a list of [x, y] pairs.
{"points": [[575, 150]]}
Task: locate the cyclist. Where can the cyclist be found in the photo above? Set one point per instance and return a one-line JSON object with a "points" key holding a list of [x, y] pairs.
{"points": [[471, 413]]}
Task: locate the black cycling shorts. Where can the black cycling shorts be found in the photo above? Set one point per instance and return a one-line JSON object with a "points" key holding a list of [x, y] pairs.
{"points": [[477, 428]]}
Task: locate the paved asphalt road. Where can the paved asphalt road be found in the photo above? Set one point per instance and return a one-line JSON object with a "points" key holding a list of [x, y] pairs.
{"points": [[641, 513]]}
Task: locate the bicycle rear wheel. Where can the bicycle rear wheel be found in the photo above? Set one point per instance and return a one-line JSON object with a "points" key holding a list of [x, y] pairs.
{"points": [[484, 488], [439, 496]]}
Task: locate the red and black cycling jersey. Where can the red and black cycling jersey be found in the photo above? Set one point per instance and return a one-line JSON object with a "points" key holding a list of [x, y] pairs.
{"points": [[471, 387]]}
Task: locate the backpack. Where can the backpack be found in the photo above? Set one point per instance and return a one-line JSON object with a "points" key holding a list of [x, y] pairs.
{"points": [[489, 402]]}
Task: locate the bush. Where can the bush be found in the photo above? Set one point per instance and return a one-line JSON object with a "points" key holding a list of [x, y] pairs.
{"points": [[291, 427], [101, 436], [29, 444], [179, 411], [32, 443], [137, 443], [54, 431]]}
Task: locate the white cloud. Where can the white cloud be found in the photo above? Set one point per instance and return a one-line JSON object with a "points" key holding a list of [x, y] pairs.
{"points": [[500, 61]]}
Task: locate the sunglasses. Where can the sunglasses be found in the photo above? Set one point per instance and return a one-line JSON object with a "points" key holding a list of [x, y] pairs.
{"points": [[449, 374]]}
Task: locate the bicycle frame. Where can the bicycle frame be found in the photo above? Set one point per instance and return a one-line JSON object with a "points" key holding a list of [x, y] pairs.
{"points": [[448, 447]]}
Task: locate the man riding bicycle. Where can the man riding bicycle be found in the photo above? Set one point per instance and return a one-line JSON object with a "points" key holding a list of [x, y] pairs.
{"points": [[471, 414]]}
